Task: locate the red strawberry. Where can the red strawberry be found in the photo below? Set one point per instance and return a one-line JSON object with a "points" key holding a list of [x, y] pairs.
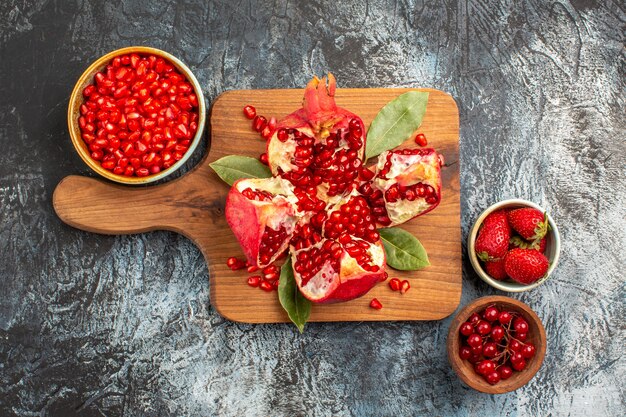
{"points": [[492, 242], [529, 222], [518, 242], [496, 270], [525, 265]]}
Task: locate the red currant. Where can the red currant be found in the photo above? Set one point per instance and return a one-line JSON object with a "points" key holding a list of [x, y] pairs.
{"points": [[521, 336], [505, 372], [520, 325], [519, 366], [483, 327], [492, 377], [474, 318], [477, 350], [528, 351], [505, 317], [516, 357], [465, 352], [515, 345], [474, 340], [466, 328], [497, 333], [474, 358], [491, 313], [485, 367], [490, 350]]}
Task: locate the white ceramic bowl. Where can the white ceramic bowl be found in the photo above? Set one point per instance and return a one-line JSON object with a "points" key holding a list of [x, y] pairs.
{"points": [[553, 247]]}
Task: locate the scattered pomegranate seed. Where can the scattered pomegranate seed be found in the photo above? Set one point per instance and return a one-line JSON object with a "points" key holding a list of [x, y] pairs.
{"points": [[394, 284], [263, 159], [259, 123], [420, 139], [253, 268], [271, 276], [266, 133], [404, 286], [249, 111], [266, 286], [275, 284], [375, 304], [235, 264], [254, 281], [271, 269], [272, 123], [139, 115]]}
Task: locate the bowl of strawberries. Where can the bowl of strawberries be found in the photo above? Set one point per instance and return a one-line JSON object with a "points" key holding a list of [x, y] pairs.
{"points": [[514, 245]]}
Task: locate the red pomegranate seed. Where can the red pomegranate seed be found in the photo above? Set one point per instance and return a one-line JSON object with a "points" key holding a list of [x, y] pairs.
{"points": [[253, 268], [420, 139], [266, 133], [282, 135], [375, 304], [259, 123], [235, 264], [394, 284], [249, 111], [263, 158], [266, 286], [404, 286], [254, 281], [139, 106]]}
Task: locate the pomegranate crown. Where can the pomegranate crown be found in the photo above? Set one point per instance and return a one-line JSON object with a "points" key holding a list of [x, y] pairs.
{"points": [[320, 97]]}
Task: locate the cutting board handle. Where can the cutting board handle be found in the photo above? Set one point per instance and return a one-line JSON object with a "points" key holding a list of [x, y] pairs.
{"points": [[97, 206]]}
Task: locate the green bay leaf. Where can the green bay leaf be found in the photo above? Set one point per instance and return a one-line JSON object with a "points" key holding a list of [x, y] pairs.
{"points": [[297, 307], [396, 122], [233, 167], [404, 251]]}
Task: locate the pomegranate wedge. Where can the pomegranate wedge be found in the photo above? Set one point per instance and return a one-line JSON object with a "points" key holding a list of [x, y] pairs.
{"points": [[262, 215], [407, 184]]}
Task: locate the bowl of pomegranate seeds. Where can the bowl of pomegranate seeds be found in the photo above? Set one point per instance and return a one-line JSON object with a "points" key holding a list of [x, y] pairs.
{"points": [[496, 344], [514, 245], [136, 115]]}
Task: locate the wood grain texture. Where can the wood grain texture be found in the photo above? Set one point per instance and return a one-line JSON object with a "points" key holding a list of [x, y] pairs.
{"points": [[193, 205]]}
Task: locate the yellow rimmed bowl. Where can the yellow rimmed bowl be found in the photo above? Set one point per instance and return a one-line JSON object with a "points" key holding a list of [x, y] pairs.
{"points": [[77, 99]]}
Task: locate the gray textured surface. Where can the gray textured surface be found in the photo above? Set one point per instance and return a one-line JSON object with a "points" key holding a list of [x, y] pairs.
{"points": [[96, 325]]}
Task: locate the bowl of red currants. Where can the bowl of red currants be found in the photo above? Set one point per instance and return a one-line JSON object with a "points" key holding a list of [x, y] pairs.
{"points": [[496, 344], [514, 245], [136, 115]]}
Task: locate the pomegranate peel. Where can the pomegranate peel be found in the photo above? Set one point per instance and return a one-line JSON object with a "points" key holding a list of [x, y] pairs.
{"points": [[270, 210]]}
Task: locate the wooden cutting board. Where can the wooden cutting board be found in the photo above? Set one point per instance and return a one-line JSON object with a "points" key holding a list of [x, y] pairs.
{"points": [[193, 205]]}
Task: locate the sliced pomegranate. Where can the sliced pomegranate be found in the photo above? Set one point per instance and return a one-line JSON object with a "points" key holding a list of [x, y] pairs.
{"points": [[320, 145], [338, 255], [407, 183], [262, 215], [329, 271]]}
